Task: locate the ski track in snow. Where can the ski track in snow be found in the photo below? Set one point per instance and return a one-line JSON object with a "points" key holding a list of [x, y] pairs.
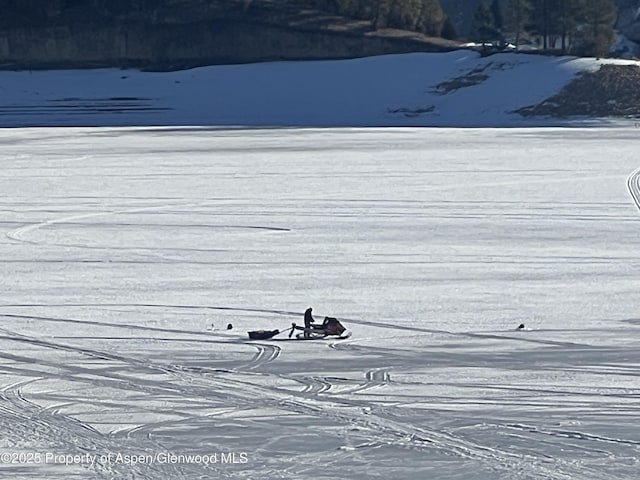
{"points": [[388, 431], [119, 372], [63, 432], [633, 185]]}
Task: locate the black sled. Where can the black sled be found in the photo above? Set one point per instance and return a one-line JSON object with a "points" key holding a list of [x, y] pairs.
{"points": [[263, 334]]}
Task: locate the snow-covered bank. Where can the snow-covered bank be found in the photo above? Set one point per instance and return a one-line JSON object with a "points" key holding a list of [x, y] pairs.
{"points": [[422, 89]]}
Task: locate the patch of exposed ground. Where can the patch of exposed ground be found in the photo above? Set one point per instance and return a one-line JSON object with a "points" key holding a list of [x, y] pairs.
{"points": [[412, 112], [473, 77], [612, 91], [469, 79]]}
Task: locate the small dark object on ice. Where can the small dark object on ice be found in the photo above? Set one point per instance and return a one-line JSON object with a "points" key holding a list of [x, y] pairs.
{"points": [[263, 334], [229, 327], [520, 327]]}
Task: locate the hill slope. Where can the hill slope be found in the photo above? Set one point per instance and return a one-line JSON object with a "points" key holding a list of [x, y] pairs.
{"points": [[459, 88]]}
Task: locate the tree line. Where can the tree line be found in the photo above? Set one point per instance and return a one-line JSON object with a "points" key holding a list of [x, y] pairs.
{"points": [[424, 16], [581, 27], [37, 13]]}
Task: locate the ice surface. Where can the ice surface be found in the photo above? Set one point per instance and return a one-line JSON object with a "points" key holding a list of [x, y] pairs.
{"points": [[126, 252]]}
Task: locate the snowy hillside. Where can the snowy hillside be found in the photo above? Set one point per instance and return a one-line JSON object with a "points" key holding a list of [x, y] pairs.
{"points": [[423, 89]]}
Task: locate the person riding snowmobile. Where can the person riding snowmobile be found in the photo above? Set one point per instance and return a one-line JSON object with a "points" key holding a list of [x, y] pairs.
{"points": [[308, 321]]}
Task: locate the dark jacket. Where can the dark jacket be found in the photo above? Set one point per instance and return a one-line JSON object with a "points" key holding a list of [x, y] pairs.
{"points": [[308, 318]]}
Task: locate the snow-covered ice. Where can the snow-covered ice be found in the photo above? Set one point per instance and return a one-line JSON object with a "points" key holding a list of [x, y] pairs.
{"points": [[126, 252]]}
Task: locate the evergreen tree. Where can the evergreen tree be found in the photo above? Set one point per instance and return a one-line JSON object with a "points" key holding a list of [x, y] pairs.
{"points": [[431, 18], [597, 33], [449, 30], [483, 28], [496, 11], [381, 11], [518, 18], [570, 14], [404, 14], [542, 20], [424, 16]]}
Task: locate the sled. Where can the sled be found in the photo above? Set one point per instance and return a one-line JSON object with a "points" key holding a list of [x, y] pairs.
{"points": [[263, 334]]}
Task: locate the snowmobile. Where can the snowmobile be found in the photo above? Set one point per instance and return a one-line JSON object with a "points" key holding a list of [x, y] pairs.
{"points": [[330, 327]]}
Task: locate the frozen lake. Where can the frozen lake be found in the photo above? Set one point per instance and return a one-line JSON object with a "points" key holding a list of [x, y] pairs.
{"points": [[126, 252]]}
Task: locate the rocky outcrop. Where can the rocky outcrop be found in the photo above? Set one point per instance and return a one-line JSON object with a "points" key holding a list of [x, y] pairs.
{"points": [[612, 91]]}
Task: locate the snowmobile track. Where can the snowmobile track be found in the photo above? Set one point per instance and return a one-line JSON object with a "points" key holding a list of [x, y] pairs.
{"points": [[633, 186]]}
